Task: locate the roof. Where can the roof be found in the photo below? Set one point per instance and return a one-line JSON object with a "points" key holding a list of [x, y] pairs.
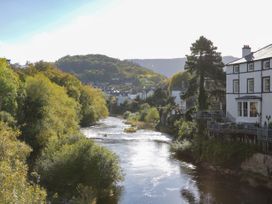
{"points": [[263, 53], [248, 97]]}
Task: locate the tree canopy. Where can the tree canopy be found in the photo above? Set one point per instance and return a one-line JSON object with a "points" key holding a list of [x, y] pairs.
{"points": [[205, 64]]}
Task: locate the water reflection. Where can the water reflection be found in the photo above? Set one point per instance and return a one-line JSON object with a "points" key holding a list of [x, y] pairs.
{"points": [[152, 175]]}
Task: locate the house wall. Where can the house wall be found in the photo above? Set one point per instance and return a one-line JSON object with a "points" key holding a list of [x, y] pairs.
{"points": [[177, 98], [265, 105]]}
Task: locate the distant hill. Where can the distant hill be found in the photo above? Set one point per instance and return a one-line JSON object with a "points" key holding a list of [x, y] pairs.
{"points": [[105, 72], [168, 67]]}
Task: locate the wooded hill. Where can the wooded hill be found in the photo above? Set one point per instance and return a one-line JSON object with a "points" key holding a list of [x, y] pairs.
{"points": [[106, 71]]}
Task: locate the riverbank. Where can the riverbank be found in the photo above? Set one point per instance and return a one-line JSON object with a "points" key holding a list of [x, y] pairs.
{"points": [[254, 169], [153, 175]]}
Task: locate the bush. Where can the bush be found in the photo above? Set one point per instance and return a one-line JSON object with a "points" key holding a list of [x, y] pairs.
{"points": [[75, 163], [7, 118], [126, 114], [15, 187], [223, 153], [152, 116], [186, 130]]}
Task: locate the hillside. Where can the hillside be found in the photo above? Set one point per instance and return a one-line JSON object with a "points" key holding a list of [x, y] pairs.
{"points": [[106, 72], [168, 67]]}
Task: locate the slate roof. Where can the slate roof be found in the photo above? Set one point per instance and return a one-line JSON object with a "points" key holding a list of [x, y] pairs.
{"points": [[263, 53]]}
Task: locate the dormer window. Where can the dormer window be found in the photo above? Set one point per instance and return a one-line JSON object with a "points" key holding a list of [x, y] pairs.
{"points": [[236, 68], [266, 64], [250, 67]]}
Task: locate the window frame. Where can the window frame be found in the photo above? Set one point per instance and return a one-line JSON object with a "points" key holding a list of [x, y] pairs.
{"points": [[250, 79], [264, 62], [263, 85], [236, 66], [256, 107], [248, 65], [233, 87], [240, 108]]}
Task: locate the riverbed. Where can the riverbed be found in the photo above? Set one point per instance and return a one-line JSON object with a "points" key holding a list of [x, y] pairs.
{"points": [[154, 176]]}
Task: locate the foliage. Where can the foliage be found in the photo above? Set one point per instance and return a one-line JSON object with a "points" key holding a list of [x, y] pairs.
{"points": [[100, 69], [152, 115], [144, 109], [224, 153], [160, 97], [7, 118], [93, 105], [186, 130], [9, 84], [182, 147], [179, 81], [48, 113], [205, 65], [15, 187], [78, 161], [48, 105], [126, 114]]}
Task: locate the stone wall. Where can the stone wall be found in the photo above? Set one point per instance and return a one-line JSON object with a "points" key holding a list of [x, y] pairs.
{"points": [[260, 164]]}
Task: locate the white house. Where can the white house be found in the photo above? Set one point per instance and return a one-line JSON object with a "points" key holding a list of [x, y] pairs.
{"points": [[122, 98], [249, 87], [177, 94]]}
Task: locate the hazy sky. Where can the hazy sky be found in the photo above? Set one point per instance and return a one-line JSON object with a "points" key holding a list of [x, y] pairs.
{"points": [[49, 29]]}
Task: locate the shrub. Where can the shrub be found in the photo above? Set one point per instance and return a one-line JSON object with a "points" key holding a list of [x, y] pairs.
{"points": [[152, 116], [75, 163], [15, 187], [126, 114]]}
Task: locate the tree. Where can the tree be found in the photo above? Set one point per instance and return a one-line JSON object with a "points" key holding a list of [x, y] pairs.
{"points": [[152, 115], [204, 63], [15, 187], [48, 113], [179, 81], [9, 84]]}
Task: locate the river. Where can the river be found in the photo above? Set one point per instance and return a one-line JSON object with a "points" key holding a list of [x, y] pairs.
{"points": [[154, 176]]}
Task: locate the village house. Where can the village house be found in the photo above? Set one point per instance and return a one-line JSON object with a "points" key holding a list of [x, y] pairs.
{"points": [[249, 88], [177, 96]]}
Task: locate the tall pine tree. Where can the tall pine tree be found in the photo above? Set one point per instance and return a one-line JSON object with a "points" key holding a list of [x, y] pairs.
{"points": [[204, 63]]}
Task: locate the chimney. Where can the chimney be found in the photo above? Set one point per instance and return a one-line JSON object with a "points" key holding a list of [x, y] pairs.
{"points": [[246, 50]]}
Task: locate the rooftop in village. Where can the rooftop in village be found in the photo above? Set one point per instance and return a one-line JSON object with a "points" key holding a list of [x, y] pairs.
{"points": [[263, 53]]}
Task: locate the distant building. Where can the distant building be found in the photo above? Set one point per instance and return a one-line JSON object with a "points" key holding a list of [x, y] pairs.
{"points": [[249, 89], [121, 98], [177, 95]]}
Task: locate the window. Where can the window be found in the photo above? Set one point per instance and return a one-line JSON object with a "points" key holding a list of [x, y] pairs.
{"points": [[266, 64], [240, 109], [236, 68], [250, 85], [250, 67], [253, 109], [236, 86], [245, 109], [266, 84]]}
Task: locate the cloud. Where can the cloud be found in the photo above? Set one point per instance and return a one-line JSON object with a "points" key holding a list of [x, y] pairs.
{"points": [[140, 29]]}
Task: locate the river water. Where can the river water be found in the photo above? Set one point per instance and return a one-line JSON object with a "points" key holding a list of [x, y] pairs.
{"points": [[154, 176]]}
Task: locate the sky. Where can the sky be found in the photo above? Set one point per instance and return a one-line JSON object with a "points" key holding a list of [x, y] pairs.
{"points": [[33, 30]]}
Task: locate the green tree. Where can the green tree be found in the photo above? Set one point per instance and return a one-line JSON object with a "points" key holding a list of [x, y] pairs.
{"points": [[9, 84], [152, 115], [47, 113], [204, 63], [180, 81], [93, 105], [78, 162], [14, 185]]}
